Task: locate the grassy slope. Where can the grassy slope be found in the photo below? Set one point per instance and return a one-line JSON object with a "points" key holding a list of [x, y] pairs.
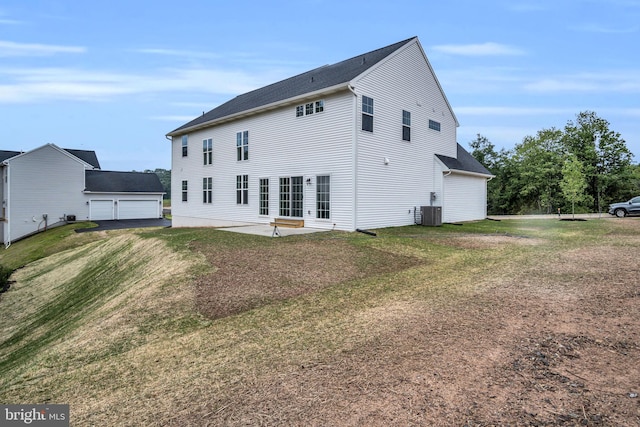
{"points": [[109, 323]]}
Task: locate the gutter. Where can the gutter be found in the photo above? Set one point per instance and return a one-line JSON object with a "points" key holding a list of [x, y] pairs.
{"points": [[261, 108], [476, 174]]}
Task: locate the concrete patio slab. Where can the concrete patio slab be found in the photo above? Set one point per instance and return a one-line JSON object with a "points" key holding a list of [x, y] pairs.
{"points": [[266, 230]]}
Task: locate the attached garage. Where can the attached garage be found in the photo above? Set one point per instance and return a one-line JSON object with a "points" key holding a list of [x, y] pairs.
{"points": [[464, 187], [139, 209], [464, 198], [101, 210], [123, 195]]}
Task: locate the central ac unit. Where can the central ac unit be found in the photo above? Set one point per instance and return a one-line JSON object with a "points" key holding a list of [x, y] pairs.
{"points": [[431, 215]]}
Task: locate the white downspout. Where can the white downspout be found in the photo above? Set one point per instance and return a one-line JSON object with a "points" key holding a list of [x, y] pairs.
{"points": [[354, 153]]}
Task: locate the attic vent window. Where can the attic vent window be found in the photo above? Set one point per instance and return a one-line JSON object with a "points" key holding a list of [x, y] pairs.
{"points": [[434, 125]]}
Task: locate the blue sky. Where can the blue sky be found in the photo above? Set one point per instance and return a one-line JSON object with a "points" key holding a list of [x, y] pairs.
{"points": [[116, 76]]}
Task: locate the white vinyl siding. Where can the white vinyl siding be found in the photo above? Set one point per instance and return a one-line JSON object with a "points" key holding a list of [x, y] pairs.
{"points": [[393, 178], [464, 198], [280, 146], [44, 181]]}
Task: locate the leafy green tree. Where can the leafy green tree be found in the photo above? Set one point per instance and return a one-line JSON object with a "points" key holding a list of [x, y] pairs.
{"points": [[501, 187], [539, 164], [165, 179], [605, 156], [484, 152], [573, 182]]}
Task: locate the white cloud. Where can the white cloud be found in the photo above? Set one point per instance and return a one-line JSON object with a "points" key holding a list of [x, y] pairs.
{"points": [[4, 21], [526, 6], [513, 111], [179, 119], [8, 48], [501, 136], [34, 85], [602, 29], [616, 81], [482, 49], [179, 53]]}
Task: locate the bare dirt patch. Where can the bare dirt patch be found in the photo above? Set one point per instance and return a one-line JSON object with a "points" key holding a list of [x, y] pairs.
{"points": [[556, 342], [248, 278]]}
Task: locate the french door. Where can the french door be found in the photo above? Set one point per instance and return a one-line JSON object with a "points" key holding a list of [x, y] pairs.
{"points": [[291, 190]]}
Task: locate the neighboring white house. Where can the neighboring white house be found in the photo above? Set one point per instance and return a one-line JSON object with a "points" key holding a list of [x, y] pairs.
{"points": [[49, 186], [359, 144]]}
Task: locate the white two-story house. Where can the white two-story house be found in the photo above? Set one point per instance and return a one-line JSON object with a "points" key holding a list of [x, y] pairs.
{"points": [[358, 144]]}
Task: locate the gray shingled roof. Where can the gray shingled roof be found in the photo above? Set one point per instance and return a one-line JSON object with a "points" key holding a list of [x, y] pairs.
{"points": [[86, 156], [311, 81], [122, 182], [464, 162], [4, 154]]}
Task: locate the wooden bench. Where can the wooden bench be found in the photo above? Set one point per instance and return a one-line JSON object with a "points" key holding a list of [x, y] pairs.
{"points": [[285, 222]]}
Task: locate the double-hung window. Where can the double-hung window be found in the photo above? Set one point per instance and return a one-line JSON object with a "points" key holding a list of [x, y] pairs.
{"points": [[207, 190], [406, 125], [185, 145], [242, 145], [207, 151], [242, 189], [185, 190], [367, 113]]}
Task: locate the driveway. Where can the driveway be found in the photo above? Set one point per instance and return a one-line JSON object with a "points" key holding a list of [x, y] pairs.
{"points": [[126, 223]]}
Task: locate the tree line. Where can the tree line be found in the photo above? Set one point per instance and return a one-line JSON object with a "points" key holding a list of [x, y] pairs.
{"points": [[165, 179], [580, 168]]}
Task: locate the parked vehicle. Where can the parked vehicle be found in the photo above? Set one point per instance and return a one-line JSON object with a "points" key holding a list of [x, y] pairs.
{"points": [[632, 207]]}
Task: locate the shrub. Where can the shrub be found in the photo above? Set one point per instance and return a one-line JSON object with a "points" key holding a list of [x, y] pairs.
{"points": [[5, 273]]}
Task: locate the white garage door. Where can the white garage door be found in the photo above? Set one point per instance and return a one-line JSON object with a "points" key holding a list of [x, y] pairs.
{"points": [[138, 209], [465, 198], [101, 210]]}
